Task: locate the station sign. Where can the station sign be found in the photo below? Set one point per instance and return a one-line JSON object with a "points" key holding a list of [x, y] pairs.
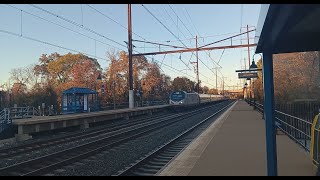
{"points": [[248, 75]]}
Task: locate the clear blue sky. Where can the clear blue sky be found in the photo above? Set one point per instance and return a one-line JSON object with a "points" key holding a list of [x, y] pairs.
{"points": [[217, 21]]}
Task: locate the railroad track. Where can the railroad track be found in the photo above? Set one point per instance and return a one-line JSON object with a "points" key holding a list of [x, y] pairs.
{"points": [[47, 163], [151, 163], [22, 149]]}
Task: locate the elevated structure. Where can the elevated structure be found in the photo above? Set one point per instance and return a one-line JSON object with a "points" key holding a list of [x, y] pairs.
{"points": [[283, 28]]}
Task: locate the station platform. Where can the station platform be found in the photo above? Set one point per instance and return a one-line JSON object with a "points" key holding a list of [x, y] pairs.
{"points": [[235, 145], [47, 123]]}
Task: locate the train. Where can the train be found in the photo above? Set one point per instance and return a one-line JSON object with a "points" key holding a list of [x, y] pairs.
{"points": [[184, 99]]}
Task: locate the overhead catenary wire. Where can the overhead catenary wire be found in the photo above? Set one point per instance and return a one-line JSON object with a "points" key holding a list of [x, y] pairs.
{"points": [[192, 35], [180, 19], [103, 14], [47, 43], [76, 24], [95, 40], [39, 17], [171, 33], [165, 27]]}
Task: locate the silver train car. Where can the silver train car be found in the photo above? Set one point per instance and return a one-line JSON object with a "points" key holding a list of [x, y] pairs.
{"points": [[184, 99], [210, 97]]}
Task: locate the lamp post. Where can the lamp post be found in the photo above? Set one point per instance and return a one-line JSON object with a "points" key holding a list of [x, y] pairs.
{"points": [[253, 66]]}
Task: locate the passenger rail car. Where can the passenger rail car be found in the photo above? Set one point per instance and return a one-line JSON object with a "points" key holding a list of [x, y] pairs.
{"points": [[184, 100]]}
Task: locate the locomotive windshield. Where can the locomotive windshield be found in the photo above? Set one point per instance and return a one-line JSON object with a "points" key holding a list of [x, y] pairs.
{"points": [[177, 96]]}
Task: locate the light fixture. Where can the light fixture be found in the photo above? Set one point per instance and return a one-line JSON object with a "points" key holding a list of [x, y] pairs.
{"points": [[253, 65]]}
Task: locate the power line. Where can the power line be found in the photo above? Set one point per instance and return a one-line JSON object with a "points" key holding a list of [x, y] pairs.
{"points": [[192, 21], [188, 20], [165, 27], [198, 34], [76, 24], [113, 20], [180, 19], [162, 24], [221, 55], [44, 42], [174, 22], [192, 35], [60, 26], [125, 28]]}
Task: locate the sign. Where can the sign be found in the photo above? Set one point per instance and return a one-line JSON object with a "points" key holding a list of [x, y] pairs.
{"points": [[248, 75]]}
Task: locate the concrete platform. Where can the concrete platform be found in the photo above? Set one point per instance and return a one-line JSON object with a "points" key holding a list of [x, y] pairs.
{"points": [[235, 145], [47, 123]]}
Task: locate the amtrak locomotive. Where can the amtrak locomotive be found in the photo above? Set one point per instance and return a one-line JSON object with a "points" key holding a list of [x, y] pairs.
{"points": [[184, 99]]}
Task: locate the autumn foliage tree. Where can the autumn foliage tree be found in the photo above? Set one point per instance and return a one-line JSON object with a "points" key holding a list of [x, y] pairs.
{"points": [[183, 84], [296, 76], [60, 72]]}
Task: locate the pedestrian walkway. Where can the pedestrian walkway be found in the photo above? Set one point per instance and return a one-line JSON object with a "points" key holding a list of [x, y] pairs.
{"points": [[235, 145]]}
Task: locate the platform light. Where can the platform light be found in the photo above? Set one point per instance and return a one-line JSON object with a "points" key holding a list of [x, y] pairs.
{"points": [[253, 65]]}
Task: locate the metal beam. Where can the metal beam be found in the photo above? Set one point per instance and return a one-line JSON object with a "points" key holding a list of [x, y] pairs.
{"points": [[161, 44], [269, 117], [198, 86], [195, 49], [226, 38]]}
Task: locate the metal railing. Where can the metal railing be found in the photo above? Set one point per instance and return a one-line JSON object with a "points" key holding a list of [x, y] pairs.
{"points": [[5, 120], [24, 112], [299, 130]]}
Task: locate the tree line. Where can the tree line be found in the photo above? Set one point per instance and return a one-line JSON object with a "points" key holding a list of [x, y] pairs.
{"points": [[296, 78], [45, 81]]}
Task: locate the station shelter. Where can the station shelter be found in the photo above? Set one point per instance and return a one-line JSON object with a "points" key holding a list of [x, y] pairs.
{"points": [[78, 100]]}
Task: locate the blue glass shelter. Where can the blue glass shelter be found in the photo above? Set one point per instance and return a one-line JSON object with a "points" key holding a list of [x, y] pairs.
{"points": [[77, 100]]}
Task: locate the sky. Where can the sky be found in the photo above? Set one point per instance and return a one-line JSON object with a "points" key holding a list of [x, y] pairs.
{"points": [[27, 31]]}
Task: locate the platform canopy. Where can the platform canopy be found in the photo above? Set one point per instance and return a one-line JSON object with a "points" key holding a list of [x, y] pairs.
{"points": [[285, 28], [77, 90]]}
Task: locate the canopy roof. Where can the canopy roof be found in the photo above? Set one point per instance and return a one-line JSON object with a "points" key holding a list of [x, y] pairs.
{"points": [[77, 90], [285, 28]]}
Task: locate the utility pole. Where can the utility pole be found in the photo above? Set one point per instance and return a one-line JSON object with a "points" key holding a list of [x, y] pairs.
{"points": [[197, 64], [131, 94], [248, 44], [249, 59], [114, 94], [217, 78], [222, 85], [216, 68]]}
